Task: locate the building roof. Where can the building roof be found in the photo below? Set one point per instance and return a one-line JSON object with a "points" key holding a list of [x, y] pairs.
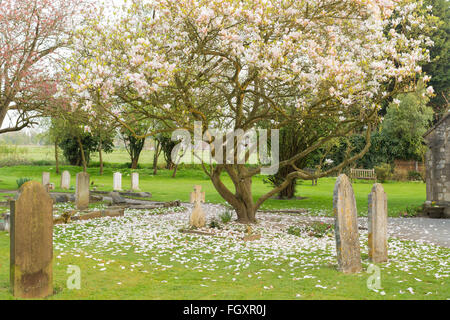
{"points": [[437, 124]]}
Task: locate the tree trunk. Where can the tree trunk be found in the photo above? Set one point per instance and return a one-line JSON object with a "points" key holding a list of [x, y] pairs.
{"points": [[242, 199], [155, 157], [174, 174], [289, 191], [83, 157], [56, 156], [100, 156]]}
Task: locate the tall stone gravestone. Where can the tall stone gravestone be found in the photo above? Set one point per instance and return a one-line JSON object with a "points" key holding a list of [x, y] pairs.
{"points": [[135, 181], [45, 179], [65, 180], [197, 219], [346, 226], [378, 224], [82, 191], [117, 181], [31, 247]]}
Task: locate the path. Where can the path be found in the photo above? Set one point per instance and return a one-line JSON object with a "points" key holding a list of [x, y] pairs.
{"points": [[435, 231]]}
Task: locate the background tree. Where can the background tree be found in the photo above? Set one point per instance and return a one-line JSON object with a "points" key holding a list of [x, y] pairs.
{"points": [[406, 121], [134, 145], [439, 65], [32, 35], [77, 148]]}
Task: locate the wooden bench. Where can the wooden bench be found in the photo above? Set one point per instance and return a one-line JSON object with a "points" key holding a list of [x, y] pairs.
{"points": [[366, 174], [311, 171]]}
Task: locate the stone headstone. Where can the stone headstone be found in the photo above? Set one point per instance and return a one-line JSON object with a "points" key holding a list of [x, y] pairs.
{"points": [[82, 191], [65, 180], [45, 178], [117, 181], [116, 198], [134, 181], [377, 224], [346, 226], [197, 219], [31, 247]]}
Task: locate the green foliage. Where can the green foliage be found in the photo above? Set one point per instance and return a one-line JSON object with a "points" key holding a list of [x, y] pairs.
{"points": [[405, 124], [214, 224], [134, 145], [71, 148], [412, 211], [167, 146], [21, 181], [226, 216], [415, 176], [384, 172]]}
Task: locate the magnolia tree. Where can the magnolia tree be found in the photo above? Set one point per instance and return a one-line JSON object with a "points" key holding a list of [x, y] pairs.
{"points": [[32, 34], [323, 65]]}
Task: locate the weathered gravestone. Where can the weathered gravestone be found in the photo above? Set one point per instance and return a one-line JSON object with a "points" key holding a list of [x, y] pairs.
{"points": [[135, 181], [197, 218], [82, 191], [346, 226], [65, 180], [45, 179], [31, 247], [377, 224], [117, 181]]}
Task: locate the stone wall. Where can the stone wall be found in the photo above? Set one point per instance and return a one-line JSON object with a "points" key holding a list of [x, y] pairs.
{"points": [[438, 163]]}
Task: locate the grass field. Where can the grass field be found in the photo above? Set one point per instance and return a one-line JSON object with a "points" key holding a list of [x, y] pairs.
{"points": [[141, 256]]}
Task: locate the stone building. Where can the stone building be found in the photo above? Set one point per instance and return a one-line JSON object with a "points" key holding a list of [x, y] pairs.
{"points": [[437, 162]]}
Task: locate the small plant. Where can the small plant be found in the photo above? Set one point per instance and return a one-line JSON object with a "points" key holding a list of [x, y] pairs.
{"points": [[415, 176], [316, 229], [412, 211], [21, 181], [383, 172], [214, 224], [226, 216]]}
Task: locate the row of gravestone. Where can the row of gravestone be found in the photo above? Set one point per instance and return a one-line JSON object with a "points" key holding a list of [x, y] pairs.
{"points": [[117, 180], [346, 225]]}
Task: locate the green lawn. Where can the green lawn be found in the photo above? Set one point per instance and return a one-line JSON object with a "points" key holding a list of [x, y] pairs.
{"points": [[165, 188]]}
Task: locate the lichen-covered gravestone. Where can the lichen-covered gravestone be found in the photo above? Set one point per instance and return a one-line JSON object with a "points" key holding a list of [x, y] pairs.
{"points": [[117, 181], [31, 247], [82, 191], [45, 179], [135, 181], [377, 224], [65, 180], [346, 226], [197, 219]]}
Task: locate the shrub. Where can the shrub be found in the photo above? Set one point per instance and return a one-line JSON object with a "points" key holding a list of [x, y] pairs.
{"points": [[383, 172], [415, 176], [21, 181], [316, 229], [226, 216], [412, 211], [214, 224]]}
